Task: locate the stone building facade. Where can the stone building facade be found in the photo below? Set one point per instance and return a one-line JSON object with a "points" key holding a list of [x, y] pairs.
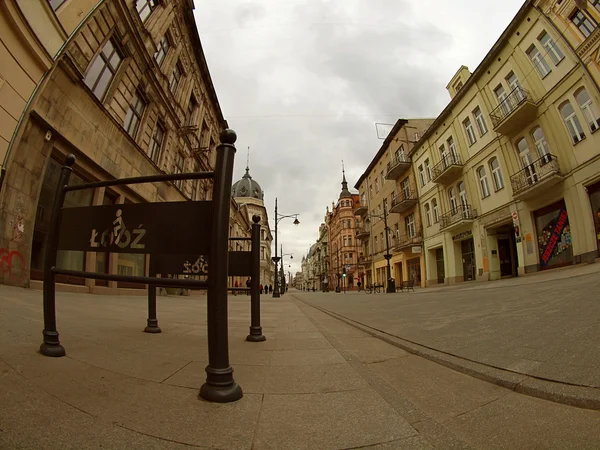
{"points": [[343, 247], [515, 175], [387, 191], [131, 95]]}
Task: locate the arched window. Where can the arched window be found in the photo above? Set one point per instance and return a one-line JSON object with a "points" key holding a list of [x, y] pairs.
{"points": [[496, 174], [572, 122], [483, 182], [436, 213], [540, 142], [428, 214], [462, 193], [524, 153], [452, 198], [587, 108]]}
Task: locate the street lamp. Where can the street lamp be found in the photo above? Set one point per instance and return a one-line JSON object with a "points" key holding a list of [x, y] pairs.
{"points": [[275, 259], [291, 255], [391, 285]]}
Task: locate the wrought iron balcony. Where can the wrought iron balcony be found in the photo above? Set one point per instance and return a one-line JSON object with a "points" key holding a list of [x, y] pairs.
{"points": [[397, 167], [536, 177], [460, 215], [363, 232], [514, 112], [404, 241], [403, 201], [360, 210], [448, 169]]}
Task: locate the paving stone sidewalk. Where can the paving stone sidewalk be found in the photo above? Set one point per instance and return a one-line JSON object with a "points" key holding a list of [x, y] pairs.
{"points": [[316, 383]]}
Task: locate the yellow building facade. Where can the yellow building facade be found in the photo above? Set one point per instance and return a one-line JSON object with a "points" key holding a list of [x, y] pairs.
{"points": [[510, 165], [387, 192]]}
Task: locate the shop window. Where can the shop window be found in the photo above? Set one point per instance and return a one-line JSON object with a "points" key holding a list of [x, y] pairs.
{"points": [[555, 244]]}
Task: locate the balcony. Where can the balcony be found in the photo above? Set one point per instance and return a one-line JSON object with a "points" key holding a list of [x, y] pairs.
{"points": [[448, 169], [462, 215], [537, 177], [397, 167], [364, 260], [402, 242], [403, 201], [363, 232], [360, 210], [514, 112]]}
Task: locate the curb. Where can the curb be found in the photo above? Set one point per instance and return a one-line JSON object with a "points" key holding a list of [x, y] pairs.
{"points": [[586, 397]]}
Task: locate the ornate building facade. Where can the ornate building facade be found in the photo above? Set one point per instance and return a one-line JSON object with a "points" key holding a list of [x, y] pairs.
{"points": [[129, 94], [249, 195]]}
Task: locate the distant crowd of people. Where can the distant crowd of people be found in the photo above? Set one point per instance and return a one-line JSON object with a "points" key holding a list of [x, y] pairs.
{"points": [[262, 289]]}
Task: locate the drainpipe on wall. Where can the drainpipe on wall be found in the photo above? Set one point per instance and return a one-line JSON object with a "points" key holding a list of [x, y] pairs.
{"points": [[35, 92]]}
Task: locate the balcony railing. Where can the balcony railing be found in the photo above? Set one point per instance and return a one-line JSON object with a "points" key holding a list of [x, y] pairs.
{"points": [[458, 216], [403, 200], [360, 210], [404, 241], [363, 232], [363, 260], [541, 173], [397, 167], [515, 111], [447, 168]]}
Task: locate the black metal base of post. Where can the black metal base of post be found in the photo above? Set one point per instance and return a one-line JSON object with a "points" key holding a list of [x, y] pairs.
{"points": [[276, 295], [220, 387], [337, 289], [256, 335], [152, 327], [51, 345], [391, 287]]}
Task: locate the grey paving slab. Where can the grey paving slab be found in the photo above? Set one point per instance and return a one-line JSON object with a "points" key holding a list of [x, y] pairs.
{"points": [[371, 350], [306, 357], [411, 443], [517, 421], [301, 344], [442, 393], [330, 421]]}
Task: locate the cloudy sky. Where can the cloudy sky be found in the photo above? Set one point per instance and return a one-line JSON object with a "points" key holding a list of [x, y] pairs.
{"points": [[303, 83]]}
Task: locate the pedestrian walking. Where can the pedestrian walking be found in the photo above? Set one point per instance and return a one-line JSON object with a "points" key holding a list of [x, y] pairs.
{"points": [[236, 285], [358, 285], [248, 286], [270, 289], [260, 288]]}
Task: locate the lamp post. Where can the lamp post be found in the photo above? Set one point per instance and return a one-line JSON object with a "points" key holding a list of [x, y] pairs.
{"points": [[291, 255], [391, 285], [275, 259]]}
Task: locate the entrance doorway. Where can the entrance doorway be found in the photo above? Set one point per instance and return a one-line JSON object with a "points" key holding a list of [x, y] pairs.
{"points": [[439, 260], [594, 192], [507, 252], [468, 257], [414, 270]]}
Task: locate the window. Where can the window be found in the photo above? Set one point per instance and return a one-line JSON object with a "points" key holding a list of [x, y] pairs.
{"points": [[175, 78], [156, 142], [405, 186], [587, 108], [552, 49], [540, 142], [462, 193], [55, 4], [585, 25], [452, 198], [480, 121], [422, 176], [133, 117], [411, 230], [397, 229], [400, 154], [595, 4], [572, 122], [469, 131], [145, 8], [458, 86], [436, 213], [189, 116], [382, 179], [103, 69], [483, 182], [496, 174], [179, 163], [375, 246], [501, 96], [515, 86], [427, 170], [163, 49], [428, 214], [345, 243], [451, 146], [538, 61], [524, 153], [376, 185]]}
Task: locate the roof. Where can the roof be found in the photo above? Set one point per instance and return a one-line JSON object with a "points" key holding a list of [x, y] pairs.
{"points": [[386, 143], [475, 76]]}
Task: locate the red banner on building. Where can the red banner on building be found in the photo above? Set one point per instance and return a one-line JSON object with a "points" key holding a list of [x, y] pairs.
{"points": [[559, 226]]}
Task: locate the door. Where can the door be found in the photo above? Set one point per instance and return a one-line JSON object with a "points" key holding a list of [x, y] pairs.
{"points": [[453, 203], [468, 255], [595, 201], [505, 256], [439, 259], [444, 156], [501, 97], [515, 89]]}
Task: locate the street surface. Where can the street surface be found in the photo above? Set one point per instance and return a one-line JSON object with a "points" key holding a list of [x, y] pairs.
{"points": [[316, 383]]}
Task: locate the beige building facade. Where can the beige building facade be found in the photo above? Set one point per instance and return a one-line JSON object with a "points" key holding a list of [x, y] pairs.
{"points": [[513, 157], [388, 188], [130, 94]]}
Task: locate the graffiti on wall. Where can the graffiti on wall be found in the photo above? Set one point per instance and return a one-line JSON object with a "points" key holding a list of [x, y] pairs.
{"points": [[18, 224], [12, 265]]}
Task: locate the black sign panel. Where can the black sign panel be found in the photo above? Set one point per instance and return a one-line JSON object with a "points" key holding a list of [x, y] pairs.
{"points": [[239, 264], [169, 228]]}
